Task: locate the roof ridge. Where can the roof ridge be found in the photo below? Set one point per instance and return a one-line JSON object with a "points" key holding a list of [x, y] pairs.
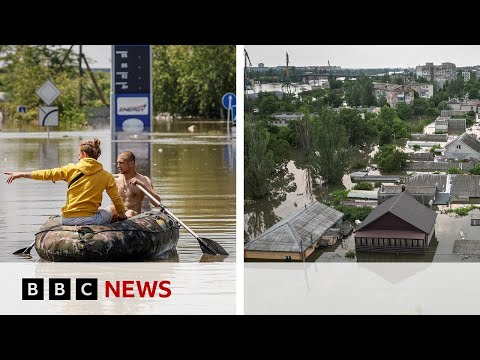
{"points": [[295, 235], [396, 200]]}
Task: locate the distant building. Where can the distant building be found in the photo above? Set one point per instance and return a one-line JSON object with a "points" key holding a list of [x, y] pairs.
{"points": [[463, 147], [399, 225], [423, 90], [466, 75], [446, 124], [465, 106], [261, 65], [296, 236], [394, 93], [282, 119], [438, 74]]}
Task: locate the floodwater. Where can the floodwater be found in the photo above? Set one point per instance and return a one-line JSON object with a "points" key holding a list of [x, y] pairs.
{"points": [[295, 88], [193, 172], [296, 187]]}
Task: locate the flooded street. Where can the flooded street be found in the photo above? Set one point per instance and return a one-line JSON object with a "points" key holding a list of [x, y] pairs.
{"points": [[193, 172], [264, 213]]}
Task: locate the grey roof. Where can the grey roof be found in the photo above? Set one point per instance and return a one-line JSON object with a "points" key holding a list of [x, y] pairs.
{"points": [[468, 140], [416, 190], [453, 101], [438, 180], [441, 199], [297, 231], [422, 190], [465, 185], [425, 156], [429, 137], [390, 189], [405, 207], [457, 124], [443, 121]]}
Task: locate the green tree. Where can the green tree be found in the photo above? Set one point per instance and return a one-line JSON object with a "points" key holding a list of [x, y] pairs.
{"points": [[330, 154], [475, 170], [420, 106], [360, 92], [363, 185], [259, 161], [359, 131], [304, 129], [390, 160], [27, 67], [442, 105], [454, 170], [190, 79], [404, 111]]}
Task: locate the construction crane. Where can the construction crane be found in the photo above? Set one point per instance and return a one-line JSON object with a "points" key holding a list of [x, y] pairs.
{"points": [[247, 83], [287, 85]]}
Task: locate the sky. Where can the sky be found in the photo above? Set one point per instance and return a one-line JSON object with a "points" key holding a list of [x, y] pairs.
{"points": [[101, 54], [364, 56]]}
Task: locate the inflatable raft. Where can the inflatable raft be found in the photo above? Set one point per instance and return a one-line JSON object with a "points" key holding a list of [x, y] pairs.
{"points": [[141, 237]]}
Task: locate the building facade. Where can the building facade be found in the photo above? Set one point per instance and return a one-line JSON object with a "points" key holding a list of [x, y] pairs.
{"points": [[437, 74], [462, 148], [399, 225]]}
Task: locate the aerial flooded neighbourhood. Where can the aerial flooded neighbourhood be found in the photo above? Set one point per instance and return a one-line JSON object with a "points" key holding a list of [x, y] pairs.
{"points": [[362, 153]]}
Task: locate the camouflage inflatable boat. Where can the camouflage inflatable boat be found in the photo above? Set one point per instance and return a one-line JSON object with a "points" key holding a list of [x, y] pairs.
{"points": [[141, 237]]}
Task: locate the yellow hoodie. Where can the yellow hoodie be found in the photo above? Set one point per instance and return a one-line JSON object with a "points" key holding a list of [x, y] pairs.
{"points": [[84, 196]]}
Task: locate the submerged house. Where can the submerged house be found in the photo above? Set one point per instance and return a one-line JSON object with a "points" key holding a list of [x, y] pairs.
{"points": [[296, 236], [400, 225]]}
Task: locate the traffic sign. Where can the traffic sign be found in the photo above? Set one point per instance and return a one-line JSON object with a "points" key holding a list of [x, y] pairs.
{"points": [[228, 100], [132, 88], [48, 92], [48, 116], [234, 117], [132, 69]]}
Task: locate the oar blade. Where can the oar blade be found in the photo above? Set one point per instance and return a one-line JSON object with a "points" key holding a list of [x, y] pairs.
{"points": [[25, 251], [209, 246], [20, 252]]}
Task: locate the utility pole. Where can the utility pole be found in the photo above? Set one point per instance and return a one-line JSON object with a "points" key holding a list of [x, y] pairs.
{"points": [[80, 71]]}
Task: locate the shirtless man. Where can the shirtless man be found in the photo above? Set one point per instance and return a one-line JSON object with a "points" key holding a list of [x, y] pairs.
{"points": [[126, 182]]}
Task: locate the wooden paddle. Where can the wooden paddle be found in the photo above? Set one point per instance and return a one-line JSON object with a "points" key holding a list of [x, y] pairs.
{"points": [[208, 246]]}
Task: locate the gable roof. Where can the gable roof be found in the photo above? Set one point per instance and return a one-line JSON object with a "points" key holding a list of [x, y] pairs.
{"points": [[405, 207], [468, 140], [297, 231]]}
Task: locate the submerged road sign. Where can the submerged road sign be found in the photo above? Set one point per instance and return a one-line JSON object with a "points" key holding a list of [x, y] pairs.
{"points": [[229, 100], [48, 92], [48, 116]]}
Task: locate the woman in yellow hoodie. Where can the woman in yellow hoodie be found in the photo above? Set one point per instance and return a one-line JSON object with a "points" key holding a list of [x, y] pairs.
{"points": [[86, 182]]}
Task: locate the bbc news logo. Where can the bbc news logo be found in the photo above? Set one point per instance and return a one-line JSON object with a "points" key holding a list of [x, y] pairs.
{"points": [[59, 289], [87, 289]]}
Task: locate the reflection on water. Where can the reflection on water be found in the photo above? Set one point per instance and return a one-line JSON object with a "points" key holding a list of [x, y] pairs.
{"points": [[298, 88], [193, 172]]}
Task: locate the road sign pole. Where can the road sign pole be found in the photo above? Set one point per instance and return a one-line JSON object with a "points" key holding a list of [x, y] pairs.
{"points": [[228, 114]]}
